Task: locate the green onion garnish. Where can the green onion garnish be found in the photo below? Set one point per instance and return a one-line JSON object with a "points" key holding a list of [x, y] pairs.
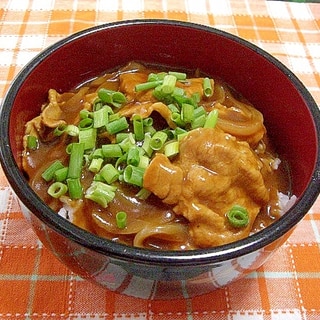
{"points": [[61, 174], [171, 149], [111, 150], [146, 144], [187, 113], [74, 188], [178, 75], [95, 165], [32, 142], [158, 140], [100, 117], [115, 98], [88, 138], [207, 87], [169, 83], [121, 219], [143, 194], [101, 193], [133, 156], [212, 119], [177, 119], [57, 189], [85, 123], [138, 127], [133, 175], [48, 174], [109, 173], [238, 216], [76, 160], [147, 85], [117, 125]]}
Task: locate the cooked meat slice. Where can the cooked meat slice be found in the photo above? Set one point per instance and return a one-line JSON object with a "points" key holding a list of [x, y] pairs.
{"points": [[217, 172], [164, 179]]}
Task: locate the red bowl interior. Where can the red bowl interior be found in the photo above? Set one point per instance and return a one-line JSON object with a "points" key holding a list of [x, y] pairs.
{"points": [[288, 119]]}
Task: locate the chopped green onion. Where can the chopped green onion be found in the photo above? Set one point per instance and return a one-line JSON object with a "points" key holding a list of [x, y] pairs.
{"points": [[128, 143], [177, 119], [180, 136], [158, 94], [178, 75], [85, 123], [97, 177], [147, 122], [173, 108], [88, 138], [72, 130], [111, 150], [212, 119], [109, 173], [61, 174], [147, 85], [168, 84], [133, 175], [84, 113], [32, 142], [207, 87], [117, 125], [150, 129], [59, 130], [114, 117], [178, 93], [156, 76], [75, 188], [153, 77], [97, 153], [114, 98], [199, 111], [138, 127], [171, 149], [121, 219], [144, 161], [105, 95], [143, 194], [100, 117], [199, 122], [121, 164], [121, 136], [95, 165], [158, 140], [238, 216], [195, 98], [187, 113], [133, 156], [200, 117], [146, 144], [57, 189], [170, 133], [76, 160], [48, 174], [101, 193], [118, 98]]}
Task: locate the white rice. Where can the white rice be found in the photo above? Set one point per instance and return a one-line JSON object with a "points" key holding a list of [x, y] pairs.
{"points": [[286, 202]]}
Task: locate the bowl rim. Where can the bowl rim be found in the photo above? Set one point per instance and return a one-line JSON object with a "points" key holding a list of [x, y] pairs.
{"points": [[139, 255]]}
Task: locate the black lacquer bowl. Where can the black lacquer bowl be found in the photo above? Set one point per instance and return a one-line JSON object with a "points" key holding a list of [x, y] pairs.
{"points": [[291, 116]]}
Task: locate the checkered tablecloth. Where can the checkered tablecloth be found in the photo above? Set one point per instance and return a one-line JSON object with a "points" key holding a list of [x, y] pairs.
{"points": [[34, 285]]}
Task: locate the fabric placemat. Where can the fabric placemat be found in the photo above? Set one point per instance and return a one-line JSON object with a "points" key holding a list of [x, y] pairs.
{"points": [[35, 285]]}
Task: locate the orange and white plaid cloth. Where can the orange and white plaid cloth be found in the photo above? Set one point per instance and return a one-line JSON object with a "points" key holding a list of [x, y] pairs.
{"points": [[34, 285]]}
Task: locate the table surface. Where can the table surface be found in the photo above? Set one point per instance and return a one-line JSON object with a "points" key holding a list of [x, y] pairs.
{"points": [[34, 285]]}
